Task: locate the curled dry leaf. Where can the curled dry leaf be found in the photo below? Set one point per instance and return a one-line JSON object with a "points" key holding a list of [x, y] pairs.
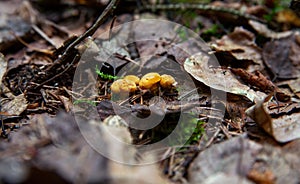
{"points": [[241, 45], [3, 67], [282, 124], [200, 68], [295, 86], [15, 106]]}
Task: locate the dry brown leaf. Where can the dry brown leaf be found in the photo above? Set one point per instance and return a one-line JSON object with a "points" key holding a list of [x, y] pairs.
{"points": [[55, 147], [12, 28], [284, 126], [282, 56], [200, 68], [273, 166], [241, 45], [288, 16], [232, 158], [3, 67], [258, 80], [265, 31], [15, 106]]}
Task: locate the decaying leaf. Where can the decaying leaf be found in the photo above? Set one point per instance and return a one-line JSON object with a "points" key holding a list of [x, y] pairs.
{"points": [[295, 86], [15, 106], [230, 159], [289, 17], [3, 67], [11, 28], [258, 80], [282, 56], [273, 165], [200, 68], [241, 45], [283, 126], [55, 147]]}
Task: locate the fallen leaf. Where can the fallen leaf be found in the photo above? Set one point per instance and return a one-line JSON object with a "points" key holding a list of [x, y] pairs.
{"points": [[266, 32], [275, 165], [15, 106], [11, 28], [264, 177], [55, 148], [287, 16], [282, 56], [203, 69], [295, 86], [3, 68], [258, 80], [232, 158], [283, 126], [241, 45]]}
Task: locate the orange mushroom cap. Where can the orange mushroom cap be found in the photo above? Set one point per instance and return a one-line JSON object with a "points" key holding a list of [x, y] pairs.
{"points": [[148, 80], [132, 78], [167, 81], [122, 85]]}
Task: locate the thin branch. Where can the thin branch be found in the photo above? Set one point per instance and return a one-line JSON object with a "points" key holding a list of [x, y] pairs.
{"points": [[89, 32], [107, 11]]}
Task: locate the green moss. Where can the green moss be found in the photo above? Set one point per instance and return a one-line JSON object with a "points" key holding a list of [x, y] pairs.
{"points": [[105, 76]]}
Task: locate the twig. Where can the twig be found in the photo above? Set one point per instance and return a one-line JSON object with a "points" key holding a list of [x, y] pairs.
{"points": [[43, 35], [59, 74], [29, 46], [66, 54], [203, 7], [91, 30]]}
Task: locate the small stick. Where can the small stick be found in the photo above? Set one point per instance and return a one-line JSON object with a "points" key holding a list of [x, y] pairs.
{"points": [[43, 35], [59, 74], [90, 31], [64, 57]]}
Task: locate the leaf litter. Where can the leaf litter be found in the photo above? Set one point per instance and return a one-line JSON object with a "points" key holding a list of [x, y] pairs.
{"points": [[258, 71]]}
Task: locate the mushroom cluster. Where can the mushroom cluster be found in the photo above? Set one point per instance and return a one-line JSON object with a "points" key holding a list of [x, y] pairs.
{"points": [[150, 81]]}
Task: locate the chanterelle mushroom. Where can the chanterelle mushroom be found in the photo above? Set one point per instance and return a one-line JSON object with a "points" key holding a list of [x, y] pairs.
{"points": [[149, 80], [167, 81], [123, 85]]}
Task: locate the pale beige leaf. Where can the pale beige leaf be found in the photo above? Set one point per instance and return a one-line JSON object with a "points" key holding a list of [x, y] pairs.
{"points": [[200, 68]]}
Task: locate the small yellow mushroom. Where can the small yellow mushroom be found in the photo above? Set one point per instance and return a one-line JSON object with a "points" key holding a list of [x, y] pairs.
{"points": [[149, 80], [132, 78], [122, 85], [167, 81]]}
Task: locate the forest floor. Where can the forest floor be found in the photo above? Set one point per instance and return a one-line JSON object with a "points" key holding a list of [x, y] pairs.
{"points": [[149, 92]]}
